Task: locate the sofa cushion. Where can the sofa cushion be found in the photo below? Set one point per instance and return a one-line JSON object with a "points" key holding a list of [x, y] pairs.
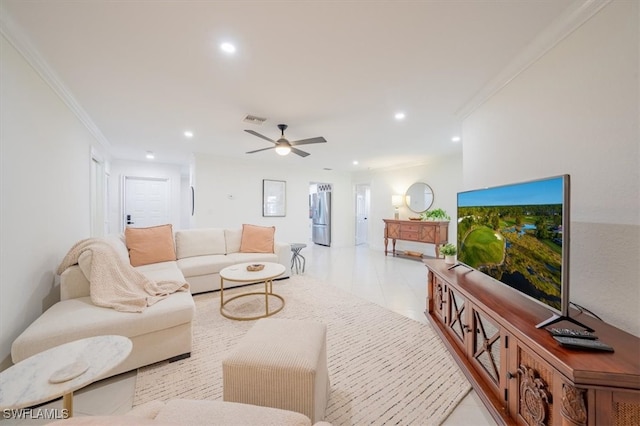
{"points": [[233, 238], [165, 271], [200, 242], [257, 239], [118, 243], [252, 257], [204, 265], [160, 266], [150, 245], [75, 319]]}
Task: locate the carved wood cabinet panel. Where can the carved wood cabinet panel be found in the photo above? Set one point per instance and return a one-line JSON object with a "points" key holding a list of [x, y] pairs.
{"points": [[530, 387], [475, 333], [439, 300], [488, 350], [519, 371], [458, 324]]}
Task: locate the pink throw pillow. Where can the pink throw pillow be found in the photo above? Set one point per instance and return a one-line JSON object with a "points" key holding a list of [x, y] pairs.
{"points": [[257, 239], [150, 245]]}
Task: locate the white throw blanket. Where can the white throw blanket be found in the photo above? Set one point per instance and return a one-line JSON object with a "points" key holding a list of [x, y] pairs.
{"points": [[113, 282]]}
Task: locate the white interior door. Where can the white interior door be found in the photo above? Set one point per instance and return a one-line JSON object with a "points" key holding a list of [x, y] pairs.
{"points": [[362, 213], [146, 202]]}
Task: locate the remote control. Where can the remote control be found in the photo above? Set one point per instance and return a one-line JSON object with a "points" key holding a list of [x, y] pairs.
{"points": [[577, 343], [570, 332]]}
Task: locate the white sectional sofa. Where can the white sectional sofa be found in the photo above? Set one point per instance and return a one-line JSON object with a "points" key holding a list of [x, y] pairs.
{"points": [[203, 253], [164, 329]]}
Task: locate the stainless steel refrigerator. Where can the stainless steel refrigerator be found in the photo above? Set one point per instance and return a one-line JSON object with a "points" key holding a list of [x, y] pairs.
{"points": [[321, 218]]}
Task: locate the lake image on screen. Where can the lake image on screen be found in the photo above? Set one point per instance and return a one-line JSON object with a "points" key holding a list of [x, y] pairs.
{"points": [[514, 234]]}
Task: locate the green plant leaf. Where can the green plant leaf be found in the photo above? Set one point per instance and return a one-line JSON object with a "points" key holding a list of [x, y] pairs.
{"points": [[449, 249], [435, 214]]}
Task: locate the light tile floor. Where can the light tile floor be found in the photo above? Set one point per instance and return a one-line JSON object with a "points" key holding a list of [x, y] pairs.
{"points": [[395, 283]]}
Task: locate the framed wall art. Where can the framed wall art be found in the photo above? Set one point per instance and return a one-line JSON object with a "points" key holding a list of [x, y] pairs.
{"points": [[274, 198]]}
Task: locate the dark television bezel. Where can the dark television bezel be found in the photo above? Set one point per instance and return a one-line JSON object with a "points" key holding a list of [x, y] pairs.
{"points": [[563, 312]]}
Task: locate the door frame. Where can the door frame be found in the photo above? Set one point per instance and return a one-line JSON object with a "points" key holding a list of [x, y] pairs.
{"points": [[99, 196], [367, 204]]}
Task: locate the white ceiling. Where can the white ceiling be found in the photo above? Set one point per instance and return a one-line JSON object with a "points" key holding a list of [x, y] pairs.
{"points": [[146, 71]]}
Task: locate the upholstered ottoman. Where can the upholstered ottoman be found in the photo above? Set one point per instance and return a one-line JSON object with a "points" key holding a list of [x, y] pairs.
{"points": [[282, 364]]}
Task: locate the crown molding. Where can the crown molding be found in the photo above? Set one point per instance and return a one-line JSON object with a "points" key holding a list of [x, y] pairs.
{"points": [[19, 40], [570, 20]]}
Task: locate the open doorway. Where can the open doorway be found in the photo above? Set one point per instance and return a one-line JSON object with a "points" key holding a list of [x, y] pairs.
{"points": [[363, 196]]}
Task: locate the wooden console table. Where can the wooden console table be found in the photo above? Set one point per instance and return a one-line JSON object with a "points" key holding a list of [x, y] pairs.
{"points": [[432, 232], [521, 374]]}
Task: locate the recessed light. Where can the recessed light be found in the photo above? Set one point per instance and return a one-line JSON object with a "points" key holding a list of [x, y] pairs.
{"points": [[355, 162], [188, 134], [456, 139], [228, 48], [150, 155], [400, 116]]}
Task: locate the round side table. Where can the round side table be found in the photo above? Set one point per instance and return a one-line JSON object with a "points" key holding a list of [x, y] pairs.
{"points": [[60, 371]]}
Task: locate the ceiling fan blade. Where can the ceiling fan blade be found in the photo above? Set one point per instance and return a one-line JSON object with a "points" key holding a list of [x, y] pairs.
{"points": [[254, 133], [258, 150], [300, 152], [319, 139]]}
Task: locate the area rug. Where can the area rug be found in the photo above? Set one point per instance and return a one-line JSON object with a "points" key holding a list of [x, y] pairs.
{"points": [[384, 368]]}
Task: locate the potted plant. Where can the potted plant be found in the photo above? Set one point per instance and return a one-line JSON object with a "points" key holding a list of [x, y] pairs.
{"points": [[435, 215], [449, 252]]}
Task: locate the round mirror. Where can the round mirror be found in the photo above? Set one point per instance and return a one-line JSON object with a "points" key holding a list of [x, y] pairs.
{"points": [[419, 197]]}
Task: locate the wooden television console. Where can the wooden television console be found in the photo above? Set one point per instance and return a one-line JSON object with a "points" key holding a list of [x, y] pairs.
{"points": [[522, 375]]}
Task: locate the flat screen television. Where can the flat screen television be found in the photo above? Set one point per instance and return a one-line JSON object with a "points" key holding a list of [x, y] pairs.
{"points": [[518, 234]]}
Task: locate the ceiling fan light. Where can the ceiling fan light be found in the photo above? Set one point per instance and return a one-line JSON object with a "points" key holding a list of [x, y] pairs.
{"points": [[283, 146], [283, 149]]}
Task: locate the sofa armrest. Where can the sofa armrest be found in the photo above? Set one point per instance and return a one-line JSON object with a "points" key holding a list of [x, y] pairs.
{"points": [[283, 251], [73, 283]]}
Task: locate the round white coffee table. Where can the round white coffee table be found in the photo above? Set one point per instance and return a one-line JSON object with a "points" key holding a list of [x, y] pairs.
{"points": [[239, 274], [61, 370]]}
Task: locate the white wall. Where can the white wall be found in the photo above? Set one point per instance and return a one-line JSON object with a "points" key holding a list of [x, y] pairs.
{"points": [[179, 206], [443, 175], [228, 193], [45, 150], [576, 111]]}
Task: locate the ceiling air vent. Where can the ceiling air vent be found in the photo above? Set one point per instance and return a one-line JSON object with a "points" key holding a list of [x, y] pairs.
{"points": [[253, 119]]}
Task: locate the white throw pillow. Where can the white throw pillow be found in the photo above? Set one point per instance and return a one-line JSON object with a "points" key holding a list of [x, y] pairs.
{"points": [[233, 238], [200, 242]]}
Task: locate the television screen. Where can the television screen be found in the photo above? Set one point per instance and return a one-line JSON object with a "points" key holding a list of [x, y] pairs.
{"points": [[518, 234]]}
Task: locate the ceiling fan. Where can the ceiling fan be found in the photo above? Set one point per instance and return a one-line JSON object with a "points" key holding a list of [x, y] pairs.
{"points": [[283, 146]]}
